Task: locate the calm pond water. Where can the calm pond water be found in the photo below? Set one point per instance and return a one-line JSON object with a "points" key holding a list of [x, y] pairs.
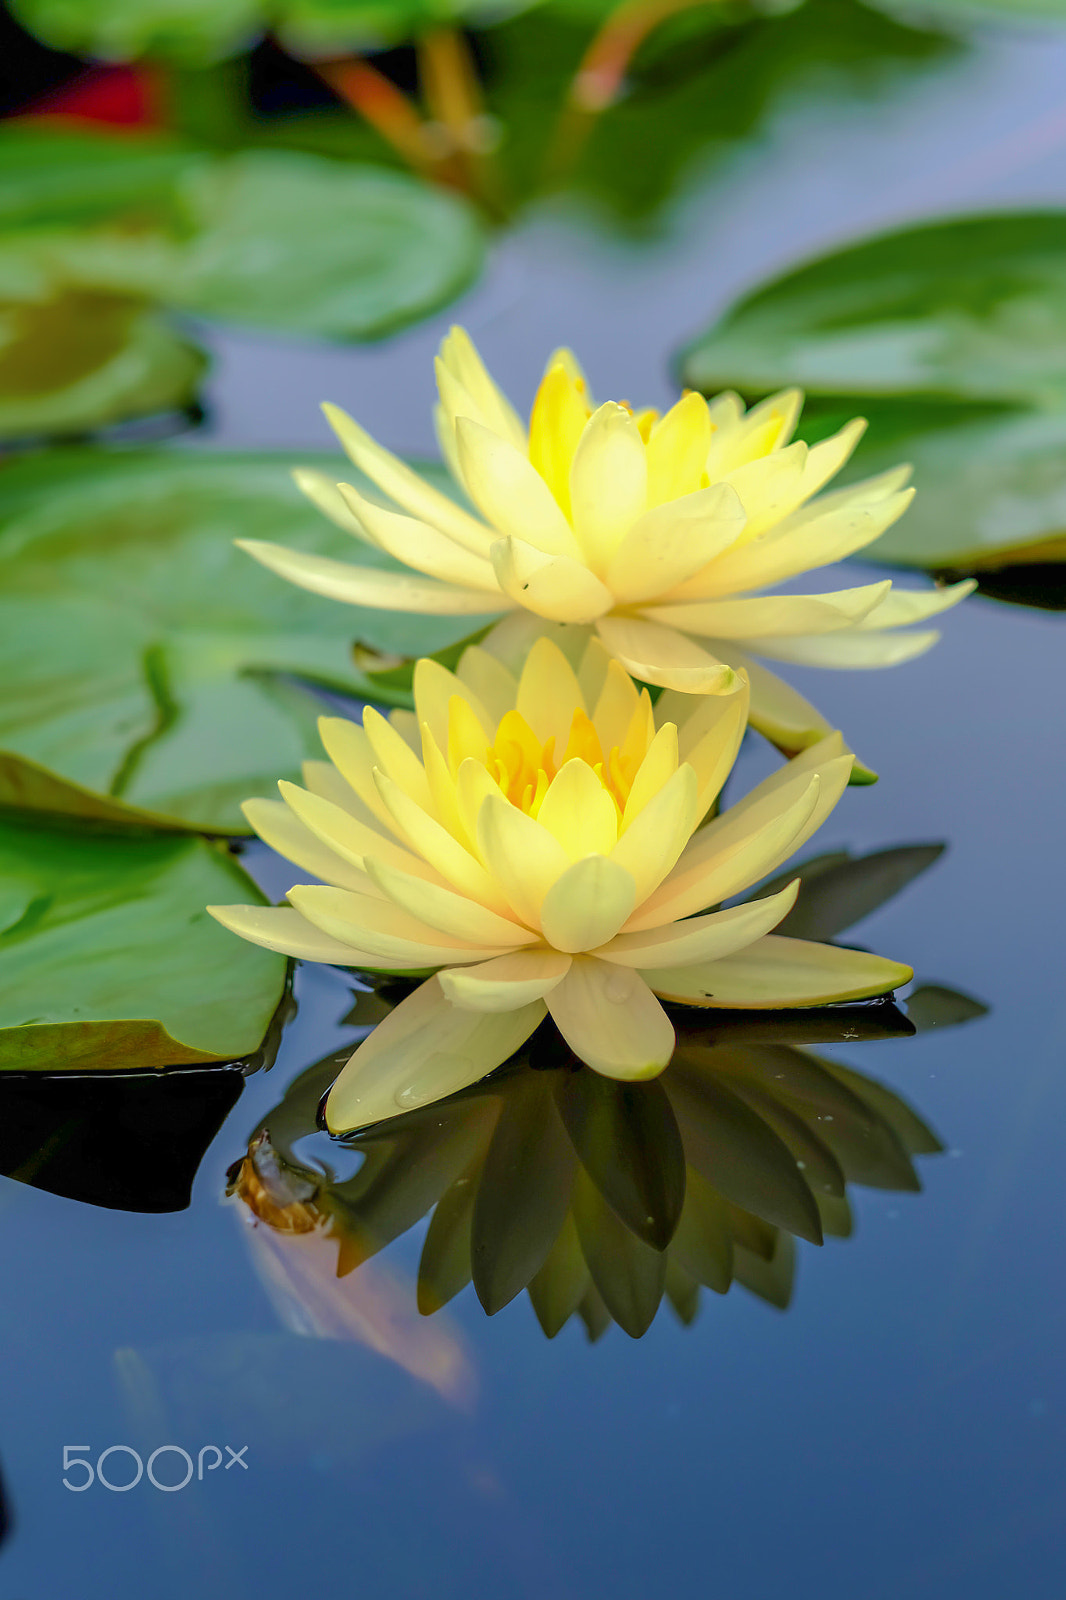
{"points": [[900, 1428]]}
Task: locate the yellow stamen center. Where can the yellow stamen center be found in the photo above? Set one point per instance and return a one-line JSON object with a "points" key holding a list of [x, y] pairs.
{"points": [[524, 767]]}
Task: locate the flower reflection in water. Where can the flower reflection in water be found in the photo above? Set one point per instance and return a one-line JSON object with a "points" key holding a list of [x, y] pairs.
{"points": [[598, 1197]]}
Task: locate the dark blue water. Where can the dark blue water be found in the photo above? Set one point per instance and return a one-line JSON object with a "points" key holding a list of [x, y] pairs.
{"points": [[901, 1427]]}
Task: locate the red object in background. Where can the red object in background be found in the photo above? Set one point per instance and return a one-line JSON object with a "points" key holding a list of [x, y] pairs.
{"points": [[124, 96]]}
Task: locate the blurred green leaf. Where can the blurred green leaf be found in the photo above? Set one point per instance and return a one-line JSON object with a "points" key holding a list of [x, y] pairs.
{"points": [[699, 84], [191, 31], [78, 360], [113, 961], [312, 246], [991, 487], [140, 651], [972, 310], [55, 172]]}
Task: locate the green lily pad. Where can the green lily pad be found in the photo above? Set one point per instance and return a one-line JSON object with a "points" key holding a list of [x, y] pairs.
{"points": [[971, 310], [145, 660], [991, 488], [278, 239], [313, 246], [80, 360], [700, 83], [194, 32], [53, 173], [108, 958]]}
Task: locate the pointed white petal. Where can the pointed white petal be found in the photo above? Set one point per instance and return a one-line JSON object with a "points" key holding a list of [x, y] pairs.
{"points": [[511, 492], [422, 1051], [418, 544], [699, 939], [552, 586], [773, 615], [663, 656], [397, 480], [505, 982], [366, 586], [610, 1018], [285, 930], [778, 972], [585, 907], [671, 542]]}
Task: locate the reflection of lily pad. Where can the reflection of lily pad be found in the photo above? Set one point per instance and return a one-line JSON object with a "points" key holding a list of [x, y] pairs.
{"points": [[138, 648], [79, 360], [969, 310], [109, 960]]}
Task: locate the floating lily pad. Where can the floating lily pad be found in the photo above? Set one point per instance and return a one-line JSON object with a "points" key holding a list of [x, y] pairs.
{"points": [[191, 31], [109, 960], [971, 310], [79, 360], [308, 245], [53, 172], [278, 239], [144, 657], [991, 487]]}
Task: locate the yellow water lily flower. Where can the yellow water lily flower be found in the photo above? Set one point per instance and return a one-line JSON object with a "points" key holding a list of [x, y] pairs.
{"points": [[656, 530], [536, 843]]}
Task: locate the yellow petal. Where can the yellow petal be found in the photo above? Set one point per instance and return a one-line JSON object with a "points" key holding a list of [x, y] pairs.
{"points": [[560, 412], [739, 438], [466, 733], [366, 586], [453, 914], [434, 688], [389, 933], [474, 784], [458, 354], [394, 755], [709, 731], [904, 606], [322, 778], [671, 542], [848, 650], [398, 481], [417, 544], [677, 449], [510, 492], [700, 939], [429, 839], [350, 751], [442, 784], [489, 681], [659, 765], [616, 706], [346, 835], [282, 831], [592, 668], [422, 1051], [828, 529], [549, 693], [779, 972], [778, 711], [285, 930], [608, 482], [752, 838], [578, 812], [324, 492], [663, 656], [523, 858], [610, 1018], [777, 615], [505, 982], [553, 586], [587, 905], [407, 726], [655, 838]]}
